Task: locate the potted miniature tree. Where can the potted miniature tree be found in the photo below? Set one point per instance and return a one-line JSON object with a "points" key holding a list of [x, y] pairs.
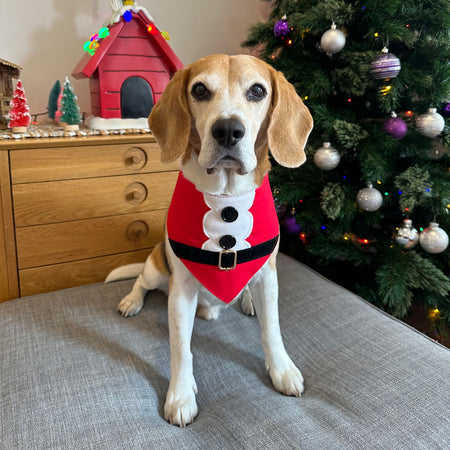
{"points": [[19, 114], [70, 111]]}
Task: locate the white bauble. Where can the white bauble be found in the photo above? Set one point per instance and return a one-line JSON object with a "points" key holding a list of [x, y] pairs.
{"points": [[327, 157], [369, 198], [430, 124], [433, 239], [333, 40]]}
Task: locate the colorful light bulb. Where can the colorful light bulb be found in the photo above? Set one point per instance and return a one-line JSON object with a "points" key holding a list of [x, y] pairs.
{"points": [[127, 16], [103, 32]]}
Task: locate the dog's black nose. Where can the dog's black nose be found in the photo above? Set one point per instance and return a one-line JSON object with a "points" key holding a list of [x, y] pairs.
{"points": [[228, 132]]}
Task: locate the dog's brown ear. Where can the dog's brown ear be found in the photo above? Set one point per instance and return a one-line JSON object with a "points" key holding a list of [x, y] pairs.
{"points": [[289, 125], [170, 121]]}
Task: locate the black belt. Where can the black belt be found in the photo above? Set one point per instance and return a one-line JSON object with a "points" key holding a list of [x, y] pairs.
{"points": [[226, 259]]}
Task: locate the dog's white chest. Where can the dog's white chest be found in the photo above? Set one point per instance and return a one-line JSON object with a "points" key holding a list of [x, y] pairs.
{"points": [[229, 222]]}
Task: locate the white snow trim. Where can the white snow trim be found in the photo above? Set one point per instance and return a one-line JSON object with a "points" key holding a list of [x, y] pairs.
{"points": [[99, 123], [215, 227], [117, 14]]}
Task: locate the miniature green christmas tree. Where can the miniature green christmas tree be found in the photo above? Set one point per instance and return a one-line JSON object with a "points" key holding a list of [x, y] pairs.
{"points": [[354, 233], [69, 107], [53, 99]]}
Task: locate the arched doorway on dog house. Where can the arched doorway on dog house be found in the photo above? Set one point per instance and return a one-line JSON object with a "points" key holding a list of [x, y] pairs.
{"points": [[136, 98]]}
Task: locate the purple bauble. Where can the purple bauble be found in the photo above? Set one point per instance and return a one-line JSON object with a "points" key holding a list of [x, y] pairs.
{"points": [[445, 112], [385, 66], [291, 226], [281, 28], [395, 127]]}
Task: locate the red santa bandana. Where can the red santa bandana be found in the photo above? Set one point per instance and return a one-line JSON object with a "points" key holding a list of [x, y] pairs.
{"points": [[211, 224]]}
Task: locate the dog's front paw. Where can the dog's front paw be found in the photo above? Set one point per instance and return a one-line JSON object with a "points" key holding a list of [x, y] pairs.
{"points": [[247, 303], [180, 407], [208, 312], [130, 305], [286, 378]]}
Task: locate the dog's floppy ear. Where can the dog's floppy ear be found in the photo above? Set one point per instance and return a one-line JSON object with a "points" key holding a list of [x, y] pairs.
{"points": [[170, 120], [289, 125]]}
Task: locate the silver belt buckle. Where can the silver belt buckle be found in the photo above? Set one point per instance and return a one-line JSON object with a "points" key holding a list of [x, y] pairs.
{"points": [[227, 252]]}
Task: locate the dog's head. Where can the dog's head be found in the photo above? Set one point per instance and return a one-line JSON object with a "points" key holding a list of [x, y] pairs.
{"points": [[229, 110]]}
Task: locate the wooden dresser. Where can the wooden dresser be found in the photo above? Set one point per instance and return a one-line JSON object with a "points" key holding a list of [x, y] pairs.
{"points": [[72, 209]]}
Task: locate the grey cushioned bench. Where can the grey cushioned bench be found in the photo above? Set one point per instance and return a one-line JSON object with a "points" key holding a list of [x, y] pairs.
{"points": [[77, 375]]}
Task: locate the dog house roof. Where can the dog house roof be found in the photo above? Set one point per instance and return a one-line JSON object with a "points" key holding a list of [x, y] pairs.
{"points": [[89, 63], [10, 65]]}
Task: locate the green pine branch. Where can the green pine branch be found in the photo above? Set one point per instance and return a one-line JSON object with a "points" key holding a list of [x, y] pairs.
{"points": [[401, 273]]}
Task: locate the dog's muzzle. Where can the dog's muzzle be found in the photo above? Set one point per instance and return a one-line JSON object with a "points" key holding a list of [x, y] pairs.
{"points": [[227, 133]]}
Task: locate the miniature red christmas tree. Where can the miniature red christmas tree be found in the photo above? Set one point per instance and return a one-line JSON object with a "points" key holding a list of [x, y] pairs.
{"points": [[19, 115], [58, 112]]}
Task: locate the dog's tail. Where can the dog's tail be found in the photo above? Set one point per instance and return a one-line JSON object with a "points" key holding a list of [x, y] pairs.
{"points": [[125, 272]]}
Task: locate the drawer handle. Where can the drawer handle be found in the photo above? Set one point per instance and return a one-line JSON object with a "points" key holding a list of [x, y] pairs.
{"points": [[135, 158], [136, 193], [137, 230]]}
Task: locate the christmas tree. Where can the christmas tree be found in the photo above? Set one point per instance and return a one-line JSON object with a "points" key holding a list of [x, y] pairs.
{"points": [[19, 114], [69, 108], [53, 99], [378, 157]]}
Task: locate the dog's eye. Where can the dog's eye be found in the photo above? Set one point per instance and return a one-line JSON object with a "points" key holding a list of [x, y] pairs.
{"points": [[200, 91], [256, 93]]}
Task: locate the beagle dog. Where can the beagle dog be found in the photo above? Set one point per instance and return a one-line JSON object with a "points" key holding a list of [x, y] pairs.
{"points": [[221, 115]]}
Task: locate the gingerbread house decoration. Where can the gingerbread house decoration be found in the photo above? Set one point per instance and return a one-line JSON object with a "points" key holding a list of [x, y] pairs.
{"points": [[8, 72], [128, 69]]}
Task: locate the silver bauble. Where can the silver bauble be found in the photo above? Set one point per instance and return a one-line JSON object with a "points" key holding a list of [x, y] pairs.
{"points": [[430, 124], [333, 40], [369, 198], [327, 157], [433, 239], [407, 236]]}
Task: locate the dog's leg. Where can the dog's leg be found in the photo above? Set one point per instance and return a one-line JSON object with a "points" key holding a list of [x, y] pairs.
{"points": [[154, 275], [180, 407], [247, 302], [285, 376]]}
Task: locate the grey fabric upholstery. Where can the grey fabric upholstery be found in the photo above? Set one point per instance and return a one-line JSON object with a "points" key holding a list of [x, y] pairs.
{"points": [[76, 375]]}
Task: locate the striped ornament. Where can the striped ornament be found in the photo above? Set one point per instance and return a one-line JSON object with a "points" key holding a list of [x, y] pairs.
{"points": [[385, 66]]}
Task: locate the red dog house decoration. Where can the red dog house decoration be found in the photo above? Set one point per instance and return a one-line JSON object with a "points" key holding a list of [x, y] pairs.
{"points": [[129, 69]]}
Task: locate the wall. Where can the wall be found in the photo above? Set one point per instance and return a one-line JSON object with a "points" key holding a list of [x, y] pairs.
{"points": [[45, 37]]}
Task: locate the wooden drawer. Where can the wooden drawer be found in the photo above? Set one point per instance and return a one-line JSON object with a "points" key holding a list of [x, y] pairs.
{"points": [[60, 201], [41, 245], [68, 163], [66, 275], [8, 262], [72, 209]]}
